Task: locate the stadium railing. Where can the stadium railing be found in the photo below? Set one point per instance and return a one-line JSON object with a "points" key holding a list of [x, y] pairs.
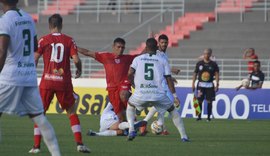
{"points": [[230, 69], [117, 7], [242, 6]]}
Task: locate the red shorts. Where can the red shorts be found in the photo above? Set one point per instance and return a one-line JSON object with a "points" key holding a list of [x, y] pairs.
{"points": [[65, 98], [114, 96]]}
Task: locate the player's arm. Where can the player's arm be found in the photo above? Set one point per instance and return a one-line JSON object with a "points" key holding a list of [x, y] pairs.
{"points": [[78, 64], [172, 89], [87, 52], [36, 55], [194, 77], [176, 71], [4, 42], [217, 81], [131, 73]]}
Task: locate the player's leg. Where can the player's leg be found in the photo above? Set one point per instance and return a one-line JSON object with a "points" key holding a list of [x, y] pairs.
{"points": [[46, 96], [67, 101], [124, 94], [115, 100], [210, 97], [179, 124], [31, 101], [131, 111]]}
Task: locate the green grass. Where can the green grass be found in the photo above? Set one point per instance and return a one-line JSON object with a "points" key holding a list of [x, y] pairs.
{"points": [[218, 138]]}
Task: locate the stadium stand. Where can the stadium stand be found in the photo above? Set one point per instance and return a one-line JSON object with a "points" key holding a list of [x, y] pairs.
{"points": [[228, 37]]}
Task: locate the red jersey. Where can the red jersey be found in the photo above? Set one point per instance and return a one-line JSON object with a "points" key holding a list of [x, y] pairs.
{"points": [[116, 67], [251, 63], [57, 50]]}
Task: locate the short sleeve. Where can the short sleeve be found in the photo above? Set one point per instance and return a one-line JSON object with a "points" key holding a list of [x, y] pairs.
{"points": [[40, 45], [4, 28], [167, 68], [262, 77], [134, 63], [73, 48], [216, 67], [196, 70], [100, 56]]}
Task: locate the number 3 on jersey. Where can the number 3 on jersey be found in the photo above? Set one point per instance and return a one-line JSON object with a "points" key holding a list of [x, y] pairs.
{"points": [[148, 71], [57, 56]]}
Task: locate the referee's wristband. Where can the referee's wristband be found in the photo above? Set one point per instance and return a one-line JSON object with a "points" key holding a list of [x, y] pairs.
{"points": [[174, 95]]}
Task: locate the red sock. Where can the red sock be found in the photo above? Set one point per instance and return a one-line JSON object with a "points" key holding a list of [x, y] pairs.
{"points": [[37, 137], [76, 128]]}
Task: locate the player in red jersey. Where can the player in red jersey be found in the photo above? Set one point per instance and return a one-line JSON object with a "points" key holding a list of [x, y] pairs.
{"points": [[57, 49], [116, 66]]}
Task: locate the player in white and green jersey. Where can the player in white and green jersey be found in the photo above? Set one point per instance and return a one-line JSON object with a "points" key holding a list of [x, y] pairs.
{"points": [[18, 82], [147, 72]]}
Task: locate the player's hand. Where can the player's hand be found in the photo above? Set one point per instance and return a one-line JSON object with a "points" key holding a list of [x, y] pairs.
{"points": [[216, 89], [176, 102], [174, 80], [176, 71], [78, 74], [237, 88]]}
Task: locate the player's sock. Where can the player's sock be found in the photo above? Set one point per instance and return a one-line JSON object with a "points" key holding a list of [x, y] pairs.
{"points": [[123, 125], [178, 122], [48, 134], [76, 128], [131, 117], [150, 114], [107, 133], [37, 137], [209, 110], [160, 120]]}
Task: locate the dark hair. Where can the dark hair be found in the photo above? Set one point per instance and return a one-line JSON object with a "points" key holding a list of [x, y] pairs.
{"points": [[56, 21], [119, 40], [10, 2], [163, 37], [258, 62], [151, 44], [209, 50]]}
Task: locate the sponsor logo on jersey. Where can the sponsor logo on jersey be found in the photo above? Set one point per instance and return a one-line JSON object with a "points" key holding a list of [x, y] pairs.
{"points": [[117, 61]]}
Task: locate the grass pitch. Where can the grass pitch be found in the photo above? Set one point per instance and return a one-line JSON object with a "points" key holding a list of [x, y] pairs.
{"points": [[218, 138]]}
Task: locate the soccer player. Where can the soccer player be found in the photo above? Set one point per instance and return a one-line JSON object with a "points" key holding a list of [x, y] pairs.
{"points": [[256, 77], [206, 70], [250, 56], [110, 124], [57, 49], [147, 72], [116, 66], [163, 41], [18, 79]]}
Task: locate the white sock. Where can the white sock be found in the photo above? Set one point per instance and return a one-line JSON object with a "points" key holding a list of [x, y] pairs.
{"points": [[150, 114], [131, 117], [48, 134], [179, 124], [123, 125], [160, 120], [107, 133]]}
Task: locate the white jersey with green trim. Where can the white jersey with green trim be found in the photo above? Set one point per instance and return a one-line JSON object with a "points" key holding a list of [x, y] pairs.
{"points": [[149, 75], [19, 68]]}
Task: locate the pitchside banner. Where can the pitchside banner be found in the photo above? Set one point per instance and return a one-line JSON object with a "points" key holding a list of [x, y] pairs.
{"points": [[229, 104]]}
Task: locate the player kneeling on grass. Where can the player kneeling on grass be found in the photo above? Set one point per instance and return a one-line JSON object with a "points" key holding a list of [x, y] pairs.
{"points": [[110, 124], [147, 72]]}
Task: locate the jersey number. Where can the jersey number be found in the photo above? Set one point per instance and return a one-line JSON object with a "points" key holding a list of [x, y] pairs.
{"points": [[148, 71], [57, 52], [27, 42]]}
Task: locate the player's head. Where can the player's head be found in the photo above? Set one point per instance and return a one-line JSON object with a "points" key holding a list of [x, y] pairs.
{"points": [[151, 45], [9, 2], [55, 21], [257, 66], [118, 46], [207, 53], [251, 51], [163, 41]]}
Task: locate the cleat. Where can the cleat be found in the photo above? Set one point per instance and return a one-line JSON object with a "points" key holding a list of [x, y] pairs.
{"points": [[143, 129], [83, 149], [198, 119], [139, 124], [165, 132], [34, 150], [91, 133], [185, 140], [208, 120], [131, 135], [125, 132]]}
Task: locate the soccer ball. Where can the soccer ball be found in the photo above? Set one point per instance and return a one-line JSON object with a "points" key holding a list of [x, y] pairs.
{"points": [[155, 128], [245, 82]]}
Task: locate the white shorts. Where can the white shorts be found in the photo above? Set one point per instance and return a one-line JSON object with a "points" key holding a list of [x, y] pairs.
{"points": [[20, 100], [107, 120], [162, 105]]}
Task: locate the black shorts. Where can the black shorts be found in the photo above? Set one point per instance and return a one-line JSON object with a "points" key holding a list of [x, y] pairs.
{"points": [[206, 93]]}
